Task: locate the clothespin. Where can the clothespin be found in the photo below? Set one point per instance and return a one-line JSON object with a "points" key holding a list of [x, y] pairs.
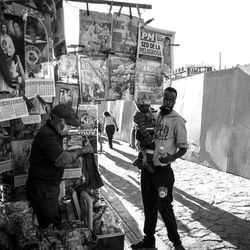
{"points": [[87, 4], [138, 10], [119, 13], [29, 103], [110, 8], [130, 12]]}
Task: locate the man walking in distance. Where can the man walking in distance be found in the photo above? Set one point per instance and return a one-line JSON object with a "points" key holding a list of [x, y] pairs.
{"points": [[170, 144]]}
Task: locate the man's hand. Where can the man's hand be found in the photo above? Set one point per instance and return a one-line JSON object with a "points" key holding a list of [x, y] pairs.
{"points": [[87, 149], [168, 159]]}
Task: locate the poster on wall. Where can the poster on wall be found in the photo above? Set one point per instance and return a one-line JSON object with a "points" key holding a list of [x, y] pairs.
{"points": [[121, 78], [67, 94], [87, 114], [155, 45], [93, 78], [58, 31], [21, 150], [5, 150], [125, 34], [95, 32], [68, 69], [36, 48], [148, 82], [12, 45], [21, 131]]}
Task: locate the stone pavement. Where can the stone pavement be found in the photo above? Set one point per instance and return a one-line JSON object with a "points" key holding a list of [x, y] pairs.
{"points": [[212, 208]]}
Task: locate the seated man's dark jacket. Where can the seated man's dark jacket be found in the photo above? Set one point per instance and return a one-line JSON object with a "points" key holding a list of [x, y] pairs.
{"points": [[46, 148]]}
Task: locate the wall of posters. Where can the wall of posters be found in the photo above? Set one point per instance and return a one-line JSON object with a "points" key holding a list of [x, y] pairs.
{"points": [[148, 82], [121, 78], [155, 45], [93, 78], [95, 32], [125, 34]]}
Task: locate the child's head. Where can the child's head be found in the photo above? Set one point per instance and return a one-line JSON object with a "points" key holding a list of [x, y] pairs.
{"points": [[144, 108]]}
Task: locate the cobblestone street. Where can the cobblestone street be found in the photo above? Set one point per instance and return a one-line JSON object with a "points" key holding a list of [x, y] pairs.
{"points": [[212, 208]]}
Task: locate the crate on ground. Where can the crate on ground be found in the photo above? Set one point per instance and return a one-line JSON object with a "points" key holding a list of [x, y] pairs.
{"points": [[112, 241]]}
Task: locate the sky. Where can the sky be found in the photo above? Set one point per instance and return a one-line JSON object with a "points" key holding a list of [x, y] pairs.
{"points": [[205, 29]]}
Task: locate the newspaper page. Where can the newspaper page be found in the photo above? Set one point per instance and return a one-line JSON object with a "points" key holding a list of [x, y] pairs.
{"points": [[12, 108], [155, 45], [121, 78], [148, 82], [95, 32], [41, 87], [87, 114], [93, 78], [67, 94], [125, 34], [68, 69]]}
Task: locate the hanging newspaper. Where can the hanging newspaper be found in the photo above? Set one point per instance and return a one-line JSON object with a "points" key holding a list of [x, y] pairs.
{"points": [[95, 32], [93, 78], [67, 94], [155, 45], [67, 69], [148, 82], [12, 108], [87, 114], [121, 78], [125, 35], [41, 87]]}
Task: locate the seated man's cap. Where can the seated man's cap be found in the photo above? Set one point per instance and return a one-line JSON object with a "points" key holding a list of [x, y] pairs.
{"points": [[67, 113]]}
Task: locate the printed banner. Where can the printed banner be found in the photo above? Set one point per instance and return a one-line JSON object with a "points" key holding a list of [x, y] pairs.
{"points": [[148, 82], [93, 78], [95, 32], [125, 35], [121, 78], [68, 69], [67, 94], [155, 45]]}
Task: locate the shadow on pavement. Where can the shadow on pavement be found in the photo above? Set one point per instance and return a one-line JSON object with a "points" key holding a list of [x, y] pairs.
{"points": [[125, 188], [226, 225]]}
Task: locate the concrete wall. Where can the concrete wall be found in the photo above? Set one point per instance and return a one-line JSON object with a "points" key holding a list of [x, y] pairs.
{"points": [[217, 116], [239, 151], [189, 105]]}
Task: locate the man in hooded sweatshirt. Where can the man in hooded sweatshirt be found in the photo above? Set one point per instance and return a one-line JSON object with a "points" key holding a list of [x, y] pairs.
{"points": [[170, 144]]}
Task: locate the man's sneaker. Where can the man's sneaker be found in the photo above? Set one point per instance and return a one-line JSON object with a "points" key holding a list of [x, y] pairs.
{"points": [[180, 247], [143, 245]]}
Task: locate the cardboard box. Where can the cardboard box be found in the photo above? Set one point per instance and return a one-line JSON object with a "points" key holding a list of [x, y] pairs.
{"points": [[113, 241]]}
